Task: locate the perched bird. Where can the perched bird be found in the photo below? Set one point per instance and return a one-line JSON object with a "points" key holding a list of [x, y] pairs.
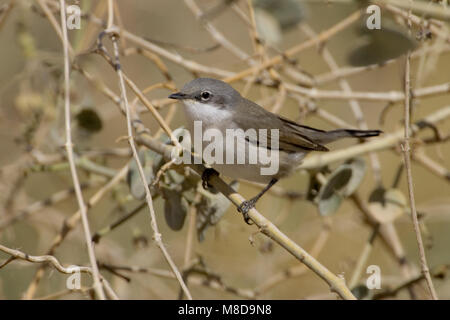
{"points": [[216, 108]]}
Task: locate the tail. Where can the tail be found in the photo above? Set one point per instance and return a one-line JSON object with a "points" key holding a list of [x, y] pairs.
{"points": [[349, 133]]}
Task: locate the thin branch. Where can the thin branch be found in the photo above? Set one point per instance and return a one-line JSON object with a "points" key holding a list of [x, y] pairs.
{"points": [[206, 280], [51, 18], [387, 141], [354, 104], [295, 50], [407, 159], [71, 223], [156, 234], [216, 34], [16, 254], [389, 235], [364, 256], [392, 96], [297, 270], [69, 148], [38, 206], [344, 72], [433, 166]]}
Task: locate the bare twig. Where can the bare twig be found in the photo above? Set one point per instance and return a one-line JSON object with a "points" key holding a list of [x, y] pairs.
{"points": [[57, 265], [156, 234], [387, 141], [297, 270], [295, 50], [38, 205], [54, 22], [354, 104], [363, 257], [407, 159], [71, 223], [433, 166], [69, 148]]}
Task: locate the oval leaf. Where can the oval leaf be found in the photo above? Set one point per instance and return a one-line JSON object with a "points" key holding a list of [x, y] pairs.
{"points": [[134, 180], [89, 120], [340, 184], [268, 27], [175, 208]]}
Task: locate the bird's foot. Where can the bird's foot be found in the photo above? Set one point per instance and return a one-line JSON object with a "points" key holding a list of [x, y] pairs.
{"points": [[206, 175], [245, 207]]}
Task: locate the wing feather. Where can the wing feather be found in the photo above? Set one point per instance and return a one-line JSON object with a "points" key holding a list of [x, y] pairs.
{"points": [[293, 137]]}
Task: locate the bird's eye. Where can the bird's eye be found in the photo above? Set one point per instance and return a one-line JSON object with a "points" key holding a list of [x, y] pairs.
{"points": [[205, 95]]}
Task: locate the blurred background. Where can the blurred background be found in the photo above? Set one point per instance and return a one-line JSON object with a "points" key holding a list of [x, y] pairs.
{"points": [[233, 260]]}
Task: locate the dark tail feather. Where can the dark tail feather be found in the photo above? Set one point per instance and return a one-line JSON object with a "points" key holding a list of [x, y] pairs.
{"points": [[361, 133], [349, 133]]}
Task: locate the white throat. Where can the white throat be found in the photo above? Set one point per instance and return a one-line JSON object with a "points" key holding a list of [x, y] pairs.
{"points": [[208, 114]]}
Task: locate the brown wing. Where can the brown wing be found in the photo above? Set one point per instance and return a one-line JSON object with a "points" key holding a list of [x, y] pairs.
{"points": [[296, 133], [292, 136]]}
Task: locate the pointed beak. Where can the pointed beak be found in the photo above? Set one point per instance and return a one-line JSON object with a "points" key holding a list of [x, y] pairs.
{"points": [[178, 96]]}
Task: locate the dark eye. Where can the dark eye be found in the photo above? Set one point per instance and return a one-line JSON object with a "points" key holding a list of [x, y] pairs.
{"points": [[205, 95]]}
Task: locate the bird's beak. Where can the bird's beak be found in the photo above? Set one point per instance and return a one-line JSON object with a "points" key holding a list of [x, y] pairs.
{"points": [[178, 96]]}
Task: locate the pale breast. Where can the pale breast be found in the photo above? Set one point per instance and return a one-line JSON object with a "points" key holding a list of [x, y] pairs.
{"points": [[221, 119]]}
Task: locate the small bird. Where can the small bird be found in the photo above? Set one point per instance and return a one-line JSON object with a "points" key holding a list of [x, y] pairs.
{"points": [[219, 108]]}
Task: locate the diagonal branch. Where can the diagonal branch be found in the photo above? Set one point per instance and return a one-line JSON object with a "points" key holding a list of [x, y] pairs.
{"points": [[336, 283], [385, 142], [156, 234]]}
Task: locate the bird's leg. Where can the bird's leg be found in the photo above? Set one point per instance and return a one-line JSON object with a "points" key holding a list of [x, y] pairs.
{"points": [[206, 175], [245, 206]]}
